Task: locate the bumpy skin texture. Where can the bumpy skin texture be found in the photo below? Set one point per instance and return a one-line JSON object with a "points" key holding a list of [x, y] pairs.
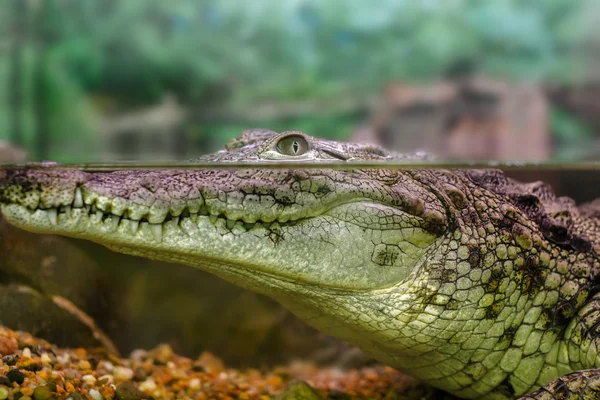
{"points": [[465, 279]]}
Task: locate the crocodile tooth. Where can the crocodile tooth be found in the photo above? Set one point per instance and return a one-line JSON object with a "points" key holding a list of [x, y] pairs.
{"points": [[134, 225], [68, 211], [213, 219], [157, 232], [248, 225], [88, 208], [176, 221], [78, 203], [53, 216], [114, 222], [267, 225], [99, 215], [230, 224], [194, 217], [203, 210], [94, 208]]}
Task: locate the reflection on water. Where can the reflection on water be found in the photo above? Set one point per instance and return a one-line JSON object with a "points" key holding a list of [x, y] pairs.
{"points": [[391, 164]]}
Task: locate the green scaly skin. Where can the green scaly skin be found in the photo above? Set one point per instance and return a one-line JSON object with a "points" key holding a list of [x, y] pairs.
{"points": [[465, 279]]}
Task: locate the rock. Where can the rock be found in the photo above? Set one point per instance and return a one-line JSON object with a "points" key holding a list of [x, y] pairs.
{"points": [[128, 391], [8, 344], [30, 364], [16, 376], [89, 380], [10, 359], [209, 363], [162, 353], [3, 393], [42, 393], [46, 359], [299, 390], [122, 374], [96, 394]]}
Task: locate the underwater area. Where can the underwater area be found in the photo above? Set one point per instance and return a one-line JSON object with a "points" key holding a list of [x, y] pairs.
{"points": [[299, 199], [84, 319]]}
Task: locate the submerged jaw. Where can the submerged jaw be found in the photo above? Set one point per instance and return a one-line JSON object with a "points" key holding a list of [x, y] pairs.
{"points": [[336, 250]]}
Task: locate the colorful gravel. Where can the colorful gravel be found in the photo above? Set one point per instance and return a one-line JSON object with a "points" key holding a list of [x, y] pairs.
{"points": [[32, 369]]}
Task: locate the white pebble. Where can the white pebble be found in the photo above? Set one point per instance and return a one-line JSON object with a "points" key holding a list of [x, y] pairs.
{"points": [[27, 352], [46, 358], [123, 373], [40, 381], [89, 379], [195, 383], [138, 354], [58, 377], [108, 366], [96, 394], [148, 385], [64, 359]]}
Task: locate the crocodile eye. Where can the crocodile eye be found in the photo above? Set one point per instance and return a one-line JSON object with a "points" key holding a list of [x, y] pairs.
{"points": [[294, 145]]}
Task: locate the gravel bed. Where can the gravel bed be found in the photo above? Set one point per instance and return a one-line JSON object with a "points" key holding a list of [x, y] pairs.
{"points": [[33, 369]]}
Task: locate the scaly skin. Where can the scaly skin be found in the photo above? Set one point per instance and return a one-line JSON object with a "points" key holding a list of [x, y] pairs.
{"points": [[467, 280]]}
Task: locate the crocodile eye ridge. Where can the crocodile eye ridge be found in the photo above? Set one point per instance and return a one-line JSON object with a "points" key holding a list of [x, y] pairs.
{"points": [[293, 145]]}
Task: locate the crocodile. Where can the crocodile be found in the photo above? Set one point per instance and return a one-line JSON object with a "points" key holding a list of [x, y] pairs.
{"points": [[466, 279]]}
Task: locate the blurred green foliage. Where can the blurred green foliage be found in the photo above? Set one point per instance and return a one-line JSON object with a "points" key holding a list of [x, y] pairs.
{"points": [[117, 55], [574, 137]]}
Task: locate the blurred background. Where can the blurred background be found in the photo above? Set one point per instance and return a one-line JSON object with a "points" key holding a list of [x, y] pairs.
{"points": [[89, 80]]}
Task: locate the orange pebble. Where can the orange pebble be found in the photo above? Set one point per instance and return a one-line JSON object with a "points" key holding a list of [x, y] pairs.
{"points": [[162, 376], [43, 375], [212, 364], [81, 353], [8, 343], [371, 375], [274, 380], [107, 391]]}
